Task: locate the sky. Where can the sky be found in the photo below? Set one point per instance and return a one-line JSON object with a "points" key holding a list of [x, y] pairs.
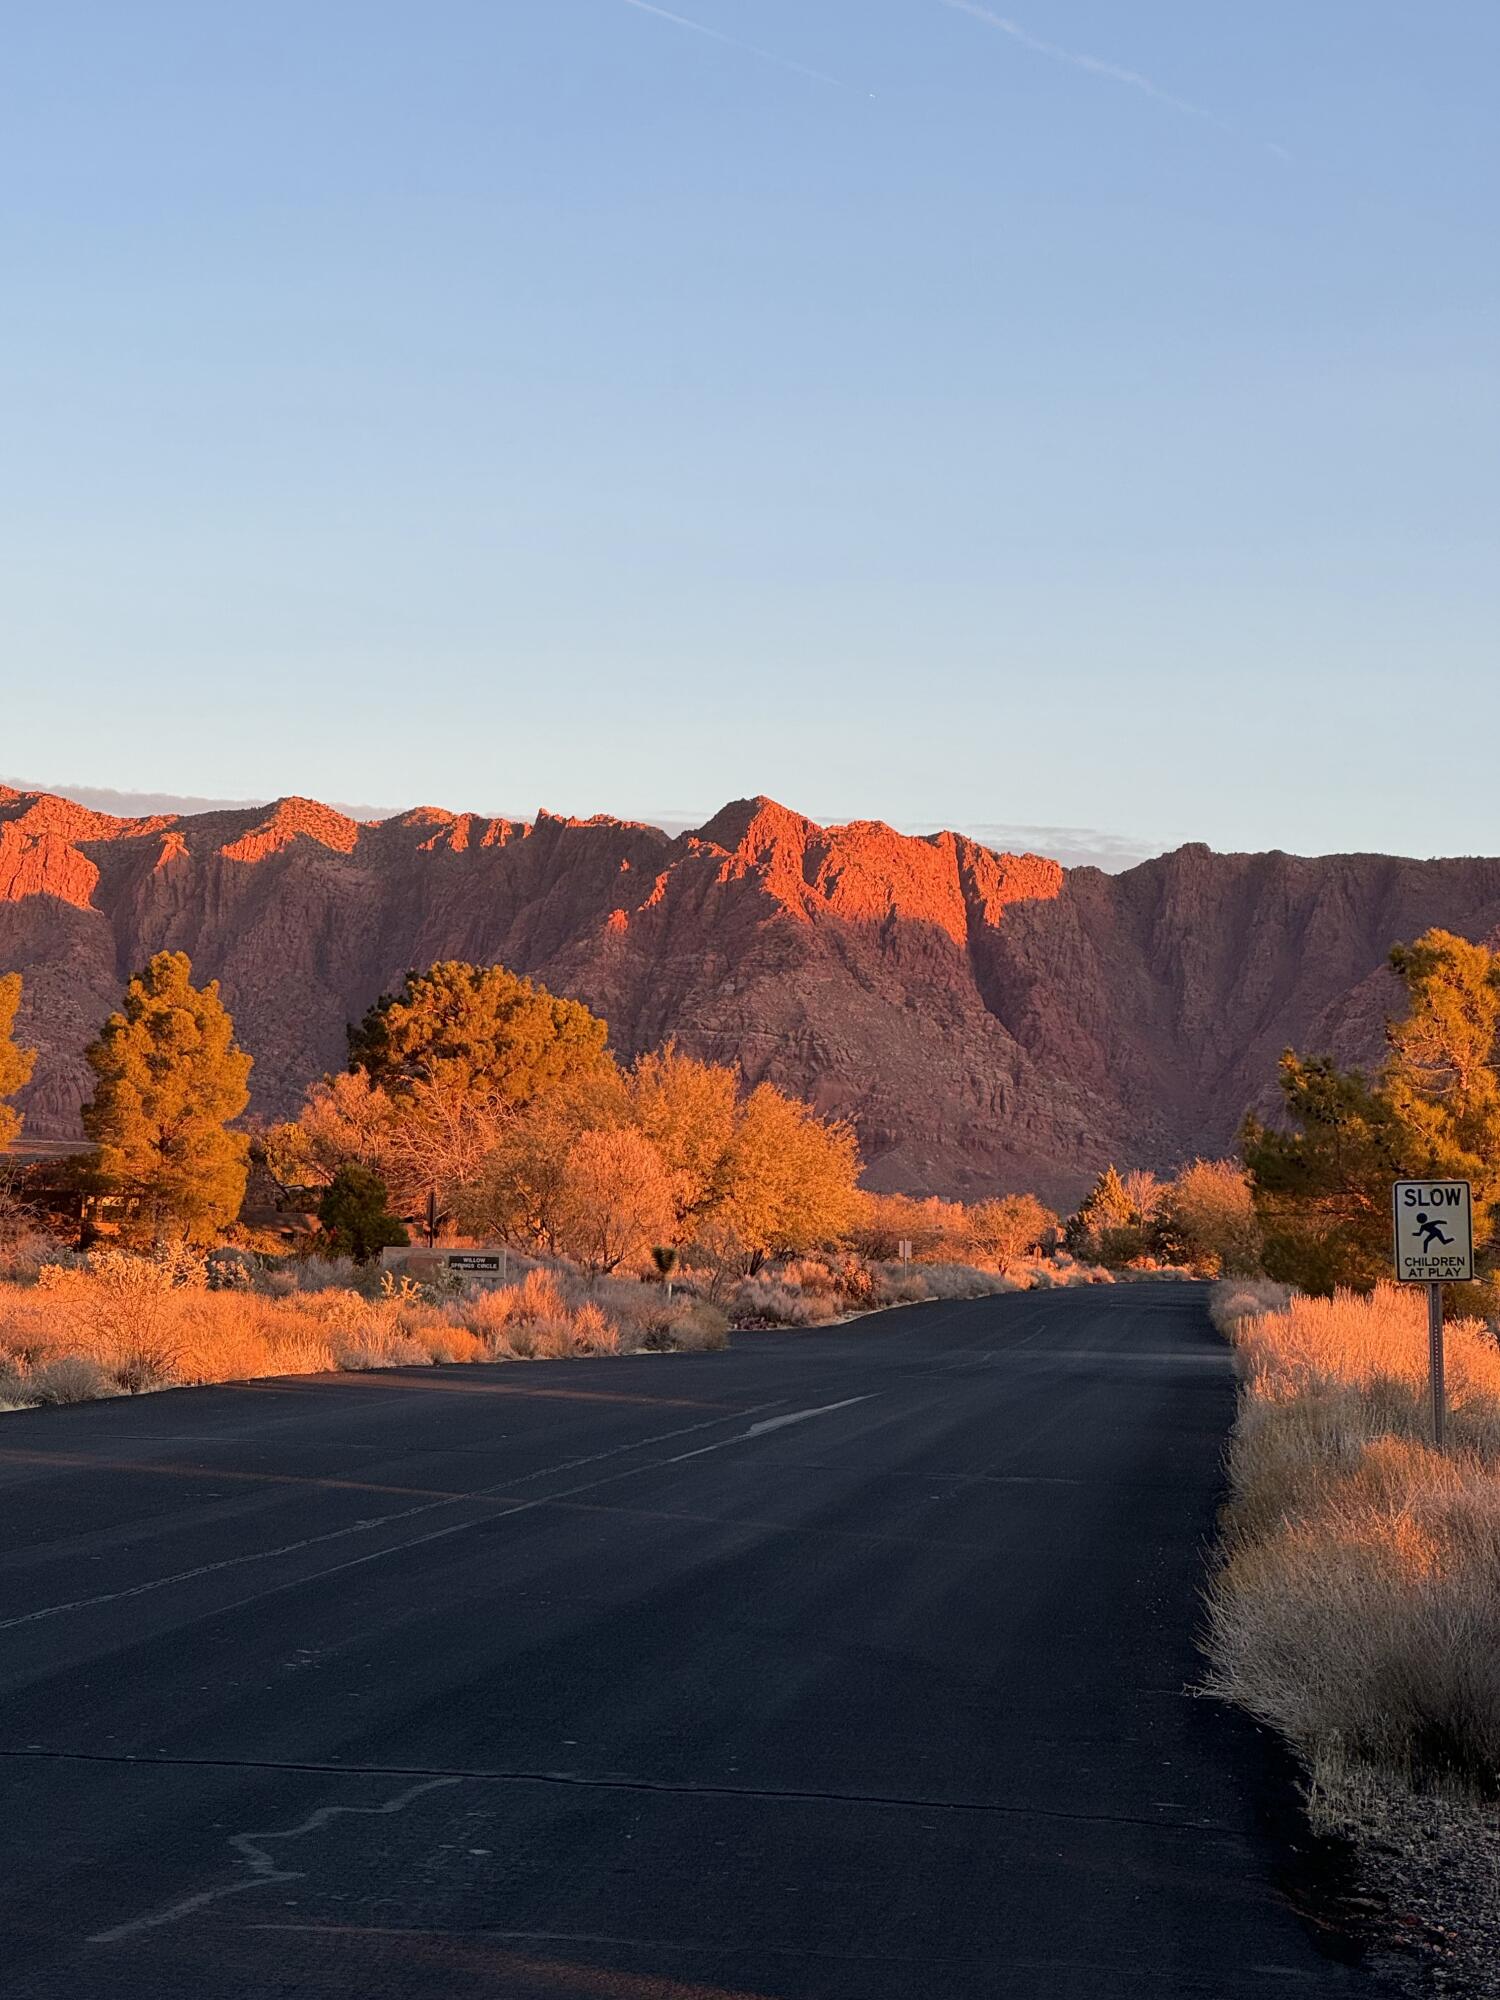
{"points": [[1079, 423]]}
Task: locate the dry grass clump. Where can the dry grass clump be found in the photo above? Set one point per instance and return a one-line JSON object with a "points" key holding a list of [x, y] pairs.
{"points": [[535, 1320], [953, 1281], [1060, 1273], [1358, 1605], [1242, 1298], [769, 1301]]}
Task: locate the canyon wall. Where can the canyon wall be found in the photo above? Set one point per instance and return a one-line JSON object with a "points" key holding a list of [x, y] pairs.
{"points": [[991, 1021]]}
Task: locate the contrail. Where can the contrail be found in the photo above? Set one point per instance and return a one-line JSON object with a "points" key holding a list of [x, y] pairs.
{"points": [[745, 48], [1111, 72]]}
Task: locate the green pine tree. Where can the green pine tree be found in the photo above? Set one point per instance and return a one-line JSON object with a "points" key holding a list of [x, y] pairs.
{"points": [[1322, 1186], [477, 1030], [1104, 1219], [16, 1063], [170, 1080], [356, 1215]]}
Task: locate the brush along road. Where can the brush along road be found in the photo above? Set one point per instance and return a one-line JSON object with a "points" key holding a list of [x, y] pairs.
{"points": [[848, 1665]]}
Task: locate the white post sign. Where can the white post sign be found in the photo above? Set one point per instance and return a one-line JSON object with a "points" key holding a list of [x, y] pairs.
{"points": [[1434, 1232], [1435, 1247]]}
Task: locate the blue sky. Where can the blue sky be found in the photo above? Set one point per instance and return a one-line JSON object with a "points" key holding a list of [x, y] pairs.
{"points": [[1079, 418]]}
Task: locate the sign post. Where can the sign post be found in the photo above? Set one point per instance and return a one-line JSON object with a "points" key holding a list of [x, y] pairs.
{"points": [[1434, 1237]]}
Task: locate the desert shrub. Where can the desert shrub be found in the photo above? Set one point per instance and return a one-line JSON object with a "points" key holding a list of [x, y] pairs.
{"points": [[380, 1347], [815, 1291], [897, 1285], [1368, 1626], [813, 1276], [1062, 1276], [701, 1329], [450, 1344], [117, 1322], [317, 1273], [1357, 1607], [125, 1312], [298, 1347], [69, 1378], [227, 1270], [965, 1281], [26, 1241], [547, 1315], [766, 1301], [590, 1332]]}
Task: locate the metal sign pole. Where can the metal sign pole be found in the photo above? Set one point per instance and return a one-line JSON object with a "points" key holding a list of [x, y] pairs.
{"points": [[1435, 1365], [1434, 1245]]}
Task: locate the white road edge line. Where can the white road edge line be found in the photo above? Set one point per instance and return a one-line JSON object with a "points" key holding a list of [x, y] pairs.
{"points": [[801, 1416], [755, 1430], [372, 1522], [263, 1869], [434, 1506]]}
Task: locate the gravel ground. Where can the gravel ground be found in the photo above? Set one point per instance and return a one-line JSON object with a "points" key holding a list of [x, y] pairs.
{"points": [[1430, 1864]]}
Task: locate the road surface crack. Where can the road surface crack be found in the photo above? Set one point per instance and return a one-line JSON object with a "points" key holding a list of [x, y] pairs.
{"points": [[618, 1782]]}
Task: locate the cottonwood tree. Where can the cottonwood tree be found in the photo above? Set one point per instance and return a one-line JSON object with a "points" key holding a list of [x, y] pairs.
{"points": [[935, 1229], [1003, 1231], [344, 1118], [790, 1179], [615, 1201], [16, 1063], [689, 1110], [1207, 1219], [517, 1190], [438, 1075], [169, 1079]]}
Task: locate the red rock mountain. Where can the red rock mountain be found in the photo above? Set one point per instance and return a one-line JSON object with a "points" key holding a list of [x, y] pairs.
{"points": [[991, 1021]]}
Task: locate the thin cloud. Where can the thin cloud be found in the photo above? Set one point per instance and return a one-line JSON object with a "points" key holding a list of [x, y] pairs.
{"points": [[146, 805], [732, 42], [1132, 79]]}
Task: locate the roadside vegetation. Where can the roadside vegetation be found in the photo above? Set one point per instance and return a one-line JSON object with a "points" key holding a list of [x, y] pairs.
{"points": [[642, 1207], [655, 1205], [1356, 1605]]}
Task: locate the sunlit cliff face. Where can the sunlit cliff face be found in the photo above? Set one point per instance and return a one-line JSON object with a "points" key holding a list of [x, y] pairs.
{"points": [[990, 1020]]}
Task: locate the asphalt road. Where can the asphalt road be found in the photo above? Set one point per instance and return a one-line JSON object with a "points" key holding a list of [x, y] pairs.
{"points": [[845, 1666]]}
